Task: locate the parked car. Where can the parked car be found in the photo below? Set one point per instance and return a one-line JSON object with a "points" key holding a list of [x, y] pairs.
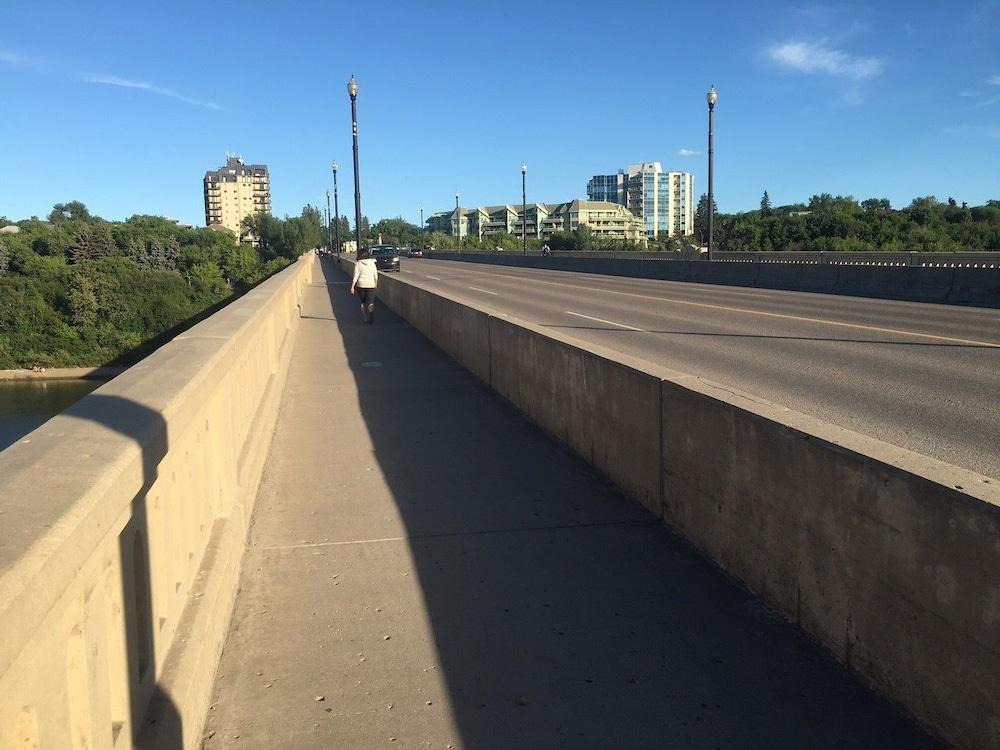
{"points": [[386, 257], [415, 252]]}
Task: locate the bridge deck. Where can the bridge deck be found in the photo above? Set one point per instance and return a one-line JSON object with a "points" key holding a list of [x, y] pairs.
{"points": [[426, 569]]}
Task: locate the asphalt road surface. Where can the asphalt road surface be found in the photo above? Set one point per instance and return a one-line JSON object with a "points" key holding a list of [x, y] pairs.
{"points": [[920, 376]]}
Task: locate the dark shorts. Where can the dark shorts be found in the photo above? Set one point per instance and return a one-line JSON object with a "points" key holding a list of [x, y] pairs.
{"points": [[367, 296]]}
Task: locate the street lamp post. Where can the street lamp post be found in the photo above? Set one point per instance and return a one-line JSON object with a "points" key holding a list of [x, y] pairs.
{"points": [[336, 207], [712, 97], [458, 222], [352, 90], [524, 210], [423, 233]]}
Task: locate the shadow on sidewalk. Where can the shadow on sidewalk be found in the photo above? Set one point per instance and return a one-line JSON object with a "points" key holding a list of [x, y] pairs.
{"points": [[564, 615]]}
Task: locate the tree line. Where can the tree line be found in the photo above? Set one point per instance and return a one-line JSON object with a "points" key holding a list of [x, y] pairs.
{"points": [[841, 223], [76, 290]]}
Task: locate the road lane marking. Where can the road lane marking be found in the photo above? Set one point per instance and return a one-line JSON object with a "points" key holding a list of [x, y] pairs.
{"points": [[785, 316], [434, 277], [485, 291], [601, 320]]}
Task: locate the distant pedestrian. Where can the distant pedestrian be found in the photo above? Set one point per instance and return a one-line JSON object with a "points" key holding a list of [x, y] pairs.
{"points": [[545, 251], [365, 280]]}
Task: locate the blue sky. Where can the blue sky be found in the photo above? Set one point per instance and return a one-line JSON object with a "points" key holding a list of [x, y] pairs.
{"points": [[124, 105]]}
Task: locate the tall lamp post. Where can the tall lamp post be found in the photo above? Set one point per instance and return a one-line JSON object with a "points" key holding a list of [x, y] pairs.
{"points": [[352, 90], [336, 207], [423, 233], [712, 97], [458, 222], [524, 210]]}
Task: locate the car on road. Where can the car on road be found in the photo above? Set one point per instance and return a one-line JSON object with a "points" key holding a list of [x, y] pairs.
{"points": [[415, 252], [386, 257]]}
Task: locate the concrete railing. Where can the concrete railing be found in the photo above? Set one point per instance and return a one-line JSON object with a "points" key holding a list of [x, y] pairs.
{"points": [[122, 528], [970, 259], [888, 558], [978, 286]]}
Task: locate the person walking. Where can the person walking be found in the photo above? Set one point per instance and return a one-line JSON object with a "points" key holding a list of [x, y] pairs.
{"points": [[365, 280]]}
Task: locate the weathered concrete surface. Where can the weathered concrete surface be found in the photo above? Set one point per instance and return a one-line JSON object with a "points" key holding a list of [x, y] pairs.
{"points": [[122, 525], [889, 558], [459, 330], [886, 557], [526, 602], [605, 408]]}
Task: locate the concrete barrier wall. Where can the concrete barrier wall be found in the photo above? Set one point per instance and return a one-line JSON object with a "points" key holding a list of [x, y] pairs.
{"points": [[122, 527], [887, 558], [606, 410], [976, 286], [979, 287]]}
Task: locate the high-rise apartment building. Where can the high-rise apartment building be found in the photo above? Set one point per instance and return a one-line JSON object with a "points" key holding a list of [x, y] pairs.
{"points": [[235, 191], [663, 200]]}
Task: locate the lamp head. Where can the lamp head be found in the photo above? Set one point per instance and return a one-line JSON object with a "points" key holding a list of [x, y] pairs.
{"points": [[524, 168], [334, 167], [352, 87], [712, 96]]}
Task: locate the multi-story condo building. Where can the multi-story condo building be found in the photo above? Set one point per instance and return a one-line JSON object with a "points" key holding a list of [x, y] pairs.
{"points": [[606, 220], [663, 200], [235, 191]]}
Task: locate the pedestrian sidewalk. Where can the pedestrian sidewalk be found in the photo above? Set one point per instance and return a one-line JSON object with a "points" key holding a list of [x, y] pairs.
{"points": [[426, 569]]}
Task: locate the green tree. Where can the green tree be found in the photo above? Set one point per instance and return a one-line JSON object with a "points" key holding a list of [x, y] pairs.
{"points": [[876, 206], [72, 211], [765, 205], [701, 217], [583, 238], [82, 300], [241, 264]]}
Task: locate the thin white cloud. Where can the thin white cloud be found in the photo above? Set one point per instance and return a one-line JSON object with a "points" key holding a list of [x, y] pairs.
{"points": [[810, 57], [994, 80], [16, 60], [150, 87], [688, 152]]}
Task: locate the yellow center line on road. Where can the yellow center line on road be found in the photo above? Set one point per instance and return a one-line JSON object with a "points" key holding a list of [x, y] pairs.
{"points": [[783, 316]]}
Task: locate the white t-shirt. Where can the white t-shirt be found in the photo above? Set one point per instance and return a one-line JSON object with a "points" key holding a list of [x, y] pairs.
{"points": [[365, 273]]}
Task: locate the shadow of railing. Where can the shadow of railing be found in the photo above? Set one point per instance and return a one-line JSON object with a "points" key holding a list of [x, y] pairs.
{"points": [[155, 720]]}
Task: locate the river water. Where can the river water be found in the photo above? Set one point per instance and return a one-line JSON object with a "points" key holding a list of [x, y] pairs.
{"points": [[25, 405]]}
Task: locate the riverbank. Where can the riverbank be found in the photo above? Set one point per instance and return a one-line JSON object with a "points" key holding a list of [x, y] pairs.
{"points": [[61, 373]]}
